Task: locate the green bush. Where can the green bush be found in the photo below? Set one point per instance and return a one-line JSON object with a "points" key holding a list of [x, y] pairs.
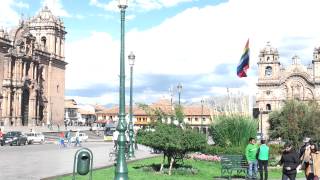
{"points": [[218, 150], [274, 154], [233, 131]]}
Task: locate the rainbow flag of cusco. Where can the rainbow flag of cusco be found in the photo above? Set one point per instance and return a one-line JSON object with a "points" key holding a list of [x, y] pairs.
{"points": [[244, 62]]}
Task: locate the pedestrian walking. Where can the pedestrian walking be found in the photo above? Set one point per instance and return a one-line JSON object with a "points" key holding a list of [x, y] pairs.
{"points": [[115, 139], [251, 153], [290, 161], [77, 139], [1, 135], [68, 136], [263, 158], [312, 170], [61, 139]]}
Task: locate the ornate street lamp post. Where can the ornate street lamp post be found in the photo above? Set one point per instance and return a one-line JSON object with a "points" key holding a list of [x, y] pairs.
{"points": [[131, 58], [202, 101], [179, 87], [121, 170], [261, 112]]}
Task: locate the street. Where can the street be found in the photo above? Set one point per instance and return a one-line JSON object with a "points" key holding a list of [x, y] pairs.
{"points": [[34, 162]]}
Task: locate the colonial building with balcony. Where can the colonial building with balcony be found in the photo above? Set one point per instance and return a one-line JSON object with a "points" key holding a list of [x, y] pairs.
{"points": [[196, 117]]}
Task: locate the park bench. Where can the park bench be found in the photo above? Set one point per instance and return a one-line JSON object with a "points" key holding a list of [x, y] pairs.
{"points": [[233, 163]]}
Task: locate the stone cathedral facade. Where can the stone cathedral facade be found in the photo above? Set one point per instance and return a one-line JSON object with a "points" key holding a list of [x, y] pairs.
{"points": [[32, 72], [277, 83]]}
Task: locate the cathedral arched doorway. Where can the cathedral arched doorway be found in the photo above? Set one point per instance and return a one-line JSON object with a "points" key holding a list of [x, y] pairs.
{"points": [[25, 107]]}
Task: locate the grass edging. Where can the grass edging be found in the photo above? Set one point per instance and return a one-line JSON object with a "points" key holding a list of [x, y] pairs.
{"points": [[99, 168]]}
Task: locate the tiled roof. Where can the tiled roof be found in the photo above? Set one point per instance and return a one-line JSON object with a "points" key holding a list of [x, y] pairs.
{"points": [[85, 111], [165, 106], [70, 103], [196, 111]]}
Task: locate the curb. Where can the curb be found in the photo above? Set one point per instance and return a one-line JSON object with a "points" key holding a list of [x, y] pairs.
{"points": [[98, 168]]}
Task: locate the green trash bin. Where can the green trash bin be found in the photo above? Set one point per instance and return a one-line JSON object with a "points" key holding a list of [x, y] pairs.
{"points": [[83, 163]]}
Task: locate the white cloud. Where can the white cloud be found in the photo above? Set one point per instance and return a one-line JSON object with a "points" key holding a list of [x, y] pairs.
{"points": [[197, 40], [139, 5], [93, 60], [56, 7], [104, 99], [8, 16]]}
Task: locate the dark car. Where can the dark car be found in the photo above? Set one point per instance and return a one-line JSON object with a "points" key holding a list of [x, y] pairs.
{"points": [[14, 138]]}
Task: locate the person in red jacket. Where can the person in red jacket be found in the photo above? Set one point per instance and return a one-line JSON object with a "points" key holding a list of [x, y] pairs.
{"points": [[1, 133], [61, 135]]}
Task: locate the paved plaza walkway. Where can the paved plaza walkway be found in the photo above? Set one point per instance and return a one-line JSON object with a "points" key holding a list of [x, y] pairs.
{"points": [[34, 162]]}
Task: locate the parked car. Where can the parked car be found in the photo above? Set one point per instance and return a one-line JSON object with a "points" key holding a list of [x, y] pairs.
{"points": [[82, 137], [14, 138], [35, 137]]}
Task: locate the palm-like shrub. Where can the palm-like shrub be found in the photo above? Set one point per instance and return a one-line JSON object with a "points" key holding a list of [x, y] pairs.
{"points": [[233, 131]]}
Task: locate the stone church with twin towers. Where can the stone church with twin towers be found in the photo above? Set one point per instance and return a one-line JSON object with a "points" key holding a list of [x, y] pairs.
{"points": [[277, 83], [32, 75], [32, 71]]}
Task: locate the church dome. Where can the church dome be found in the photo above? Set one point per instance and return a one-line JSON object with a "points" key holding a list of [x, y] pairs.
{"points": [[45, 15]]}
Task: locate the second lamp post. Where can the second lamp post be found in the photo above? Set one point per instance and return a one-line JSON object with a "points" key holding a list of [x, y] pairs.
{"points": [[131, 58], [202, 102], [179, 87]]}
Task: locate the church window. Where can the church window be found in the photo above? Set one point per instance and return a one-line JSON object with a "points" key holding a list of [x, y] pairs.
{"points": [[268, 71], [57, 88], [268, 92], [43, 41], [268, 58], [268, 107]]}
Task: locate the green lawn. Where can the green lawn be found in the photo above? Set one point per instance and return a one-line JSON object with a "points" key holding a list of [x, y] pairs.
{"points": [[207, 171]]}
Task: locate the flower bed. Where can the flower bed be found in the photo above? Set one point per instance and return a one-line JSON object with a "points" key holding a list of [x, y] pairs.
{"points": [[204, 157]]}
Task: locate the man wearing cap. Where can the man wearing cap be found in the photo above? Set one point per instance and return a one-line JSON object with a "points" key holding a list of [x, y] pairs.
{"points": [[290, 161]]}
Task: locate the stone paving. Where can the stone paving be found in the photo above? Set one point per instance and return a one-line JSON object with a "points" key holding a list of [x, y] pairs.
{"points": [[34, 162]]}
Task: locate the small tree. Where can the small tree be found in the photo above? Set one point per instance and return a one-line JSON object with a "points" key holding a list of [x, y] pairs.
{"points": [[294, 121], [173, 141]]}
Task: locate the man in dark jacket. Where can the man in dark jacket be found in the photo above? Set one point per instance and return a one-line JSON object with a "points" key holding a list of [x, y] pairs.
{"points": [[290, 161]]}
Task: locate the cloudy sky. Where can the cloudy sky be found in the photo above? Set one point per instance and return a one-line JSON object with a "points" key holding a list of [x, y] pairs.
{"points": [[194, 42]]}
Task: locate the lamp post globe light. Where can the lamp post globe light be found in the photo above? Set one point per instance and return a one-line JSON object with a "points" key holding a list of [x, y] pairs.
{"points": [[202, 102], [121, 170], [131, 58], [179, 87]]}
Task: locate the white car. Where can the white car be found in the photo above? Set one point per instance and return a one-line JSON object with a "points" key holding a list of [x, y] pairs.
{"points": [[82, 137], [35, 137]]}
